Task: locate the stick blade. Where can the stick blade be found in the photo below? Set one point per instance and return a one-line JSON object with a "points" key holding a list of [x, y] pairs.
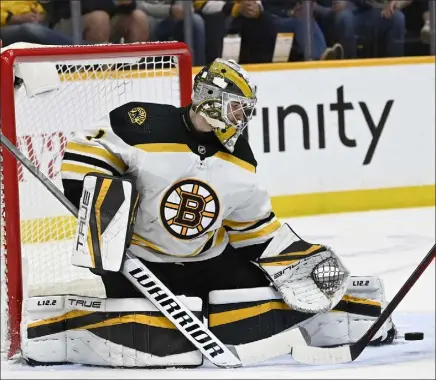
{"points": [[269, 348], [321, 356]]}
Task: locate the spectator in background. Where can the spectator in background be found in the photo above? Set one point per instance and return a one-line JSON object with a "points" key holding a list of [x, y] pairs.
{"points": [[103, 21], [243, 17], [380, 23], [418, 33], [166, 23], [425, 30], [257, 23], [289, 18], [256, 29], [214, 27], [25, 21]]}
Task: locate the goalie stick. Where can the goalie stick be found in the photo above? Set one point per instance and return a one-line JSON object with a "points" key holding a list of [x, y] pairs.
{"points": [[345, 354], [166, 302]]}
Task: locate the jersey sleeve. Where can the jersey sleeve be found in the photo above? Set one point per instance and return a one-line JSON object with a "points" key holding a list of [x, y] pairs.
{"points": [[98, 150], [253, 223]]}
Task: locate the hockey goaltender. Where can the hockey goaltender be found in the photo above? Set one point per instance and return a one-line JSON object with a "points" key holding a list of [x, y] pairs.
{"points": [[177, 189]]}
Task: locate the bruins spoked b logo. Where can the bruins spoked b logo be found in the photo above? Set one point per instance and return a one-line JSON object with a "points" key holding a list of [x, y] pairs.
{"points": [[137, 115], [189, 208]]}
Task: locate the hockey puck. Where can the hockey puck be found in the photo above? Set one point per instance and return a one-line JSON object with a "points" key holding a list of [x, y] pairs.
{"points": [[414, 336]]}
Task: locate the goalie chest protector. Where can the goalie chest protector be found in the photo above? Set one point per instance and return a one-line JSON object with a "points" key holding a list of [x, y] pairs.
{"points": [[190, 185]]}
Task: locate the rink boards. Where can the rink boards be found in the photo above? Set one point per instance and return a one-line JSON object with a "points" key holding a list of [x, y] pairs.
{"points": [[346, 136]]}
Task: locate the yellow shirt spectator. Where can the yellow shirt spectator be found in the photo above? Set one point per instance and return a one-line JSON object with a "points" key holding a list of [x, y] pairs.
{"points": [[19, 12], [235, 8]]}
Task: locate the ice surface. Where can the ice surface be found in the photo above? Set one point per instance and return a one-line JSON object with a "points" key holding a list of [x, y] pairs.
{"points": [[389, 244]]}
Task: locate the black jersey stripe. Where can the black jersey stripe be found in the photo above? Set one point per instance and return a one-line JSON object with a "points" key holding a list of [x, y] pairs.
{"points": [[90, 161], [259, 223]]}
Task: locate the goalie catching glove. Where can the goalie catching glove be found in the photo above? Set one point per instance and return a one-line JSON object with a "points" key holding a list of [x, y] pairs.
{"points": [[107, 213], [310, 278]]}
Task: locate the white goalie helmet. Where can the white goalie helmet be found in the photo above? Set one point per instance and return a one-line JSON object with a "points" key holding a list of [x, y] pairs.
{"points": [[224, 95]]}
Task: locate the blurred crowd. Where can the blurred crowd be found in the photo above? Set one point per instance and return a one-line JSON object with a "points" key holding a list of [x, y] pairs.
{"points": [[340, 29]]}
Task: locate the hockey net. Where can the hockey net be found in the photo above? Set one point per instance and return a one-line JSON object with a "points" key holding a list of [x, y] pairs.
{"points": [[36, 230]]}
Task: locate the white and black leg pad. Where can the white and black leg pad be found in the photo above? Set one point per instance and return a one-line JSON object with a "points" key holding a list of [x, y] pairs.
{"points": [[241, 316], [106, 332], [107, 213], [363, 302]]}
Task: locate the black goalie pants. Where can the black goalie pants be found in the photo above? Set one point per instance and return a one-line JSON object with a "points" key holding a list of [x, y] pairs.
{"points": [[230, 270]]}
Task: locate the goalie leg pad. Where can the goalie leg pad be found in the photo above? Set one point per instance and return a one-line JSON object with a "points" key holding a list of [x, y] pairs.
{"points": [[105, 332], [240, 316], [352, 316]]}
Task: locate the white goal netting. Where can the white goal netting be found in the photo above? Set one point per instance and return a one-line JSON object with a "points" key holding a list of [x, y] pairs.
{"points": [[89, 90]]}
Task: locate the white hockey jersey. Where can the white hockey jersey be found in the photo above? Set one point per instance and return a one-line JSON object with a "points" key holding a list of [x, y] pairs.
{"points": [[196, 197]]}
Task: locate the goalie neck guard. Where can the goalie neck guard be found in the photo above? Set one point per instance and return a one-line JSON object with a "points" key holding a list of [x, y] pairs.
{"points": [[225, 97]]}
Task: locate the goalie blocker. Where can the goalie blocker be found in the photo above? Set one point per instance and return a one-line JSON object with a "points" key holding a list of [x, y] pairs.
{"points": [[133, 333], [107, 213]]}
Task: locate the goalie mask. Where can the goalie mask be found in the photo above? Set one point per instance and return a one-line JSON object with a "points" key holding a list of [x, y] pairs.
{"points": [[225, 97]]}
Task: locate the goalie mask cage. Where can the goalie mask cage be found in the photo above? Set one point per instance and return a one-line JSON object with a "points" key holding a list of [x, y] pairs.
{"points": [[36, 230]]}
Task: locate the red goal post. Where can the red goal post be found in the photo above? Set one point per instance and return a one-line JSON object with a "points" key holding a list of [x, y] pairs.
{"points": [[94, 79]]}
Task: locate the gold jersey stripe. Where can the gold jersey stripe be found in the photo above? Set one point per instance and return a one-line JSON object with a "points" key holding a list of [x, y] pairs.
{"points": [[220, 235], [225, 317], [102, 153], [241, 225], [270, 228], [164, 147], [140, 241], [79, 169], [134, 208], [236, 161], [175, 148]]}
